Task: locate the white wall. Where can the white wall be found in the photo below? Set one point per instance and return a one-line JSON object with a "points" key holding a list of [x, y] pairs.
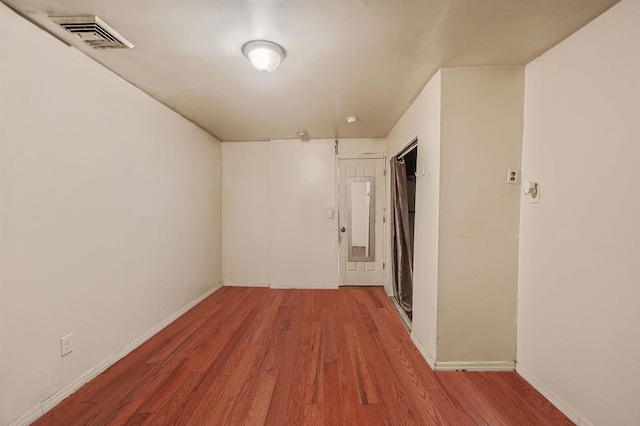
{"points": [[579, 292], [276, 231], [275, 199], [425, 268], [481, 138], [422, 120], [109, 214], [362, 146], [303, 242], [469, 127], [245, 214], [405, 130]]}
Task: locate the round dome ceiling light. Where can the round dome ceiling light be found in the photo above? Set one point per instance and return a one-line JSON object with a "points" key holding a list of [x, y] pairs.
{"points": [[264, 55], [352, 119]]}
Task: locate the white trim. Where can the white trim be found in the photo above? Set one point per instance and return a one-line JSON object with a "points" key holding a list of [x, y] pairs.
{"points": [[561, 405], [29, 417], [402, 314], [423, 351], [246, 285], [476, 366], [63, 393], [305, 287], [388, 289], [46, 405], [583, 422], [386, 259], [381, 259], [336, 215], [373, 155], [408, 148]]}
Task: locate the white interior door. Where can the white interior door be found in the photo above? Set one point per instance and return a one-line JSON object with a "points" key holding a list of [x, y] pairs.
{"points": [[361, 193]]}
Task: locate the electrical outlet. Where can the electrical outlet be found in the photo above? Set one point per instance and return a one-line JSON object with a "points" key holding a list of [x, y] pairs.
{"points": [[65, 345], [513, 176]]}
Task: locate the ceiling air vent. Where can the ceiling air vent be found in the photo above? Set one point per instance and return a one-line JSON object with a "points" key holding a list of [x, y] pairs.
{"points": [[93, 31]]}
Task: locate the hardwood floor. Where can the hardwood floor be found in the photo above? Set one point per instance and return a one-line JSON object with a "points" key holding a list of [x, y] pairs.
{"points": [[295, 357]]}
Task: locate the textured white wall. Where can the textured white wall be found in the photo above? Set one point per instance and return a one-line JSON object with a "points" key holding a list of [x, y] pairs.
{"points": [[109, 214], [579, 292]]}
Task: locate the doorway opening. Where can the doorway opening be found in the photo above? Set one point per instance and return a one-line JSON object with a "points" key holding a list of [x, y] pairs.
{"points": [[403, 211]]}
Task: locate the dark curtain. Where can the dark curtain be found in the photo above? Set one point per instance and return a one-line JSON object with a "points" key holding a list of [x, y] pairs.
{"points": [[401, 251]]}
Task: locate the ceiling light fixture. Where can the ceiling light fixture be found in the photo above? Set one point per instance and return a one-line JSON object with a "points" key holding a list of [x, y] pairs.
{"points": [[352, 119], [264, 55]]}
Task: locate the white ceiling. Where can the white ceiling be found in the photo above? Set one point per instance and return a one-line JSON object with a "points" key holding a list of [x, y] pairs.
{"points": [[368, 58]]}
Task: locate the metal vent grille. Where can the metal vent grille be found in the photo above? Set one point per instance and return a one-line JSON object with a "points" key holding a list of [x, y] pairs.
{"points": [[93, 31]]}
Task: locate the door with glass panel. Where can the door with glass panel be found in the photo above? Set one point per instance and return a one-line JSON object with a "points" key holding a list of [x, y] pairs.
{"points": [[361, 193]]}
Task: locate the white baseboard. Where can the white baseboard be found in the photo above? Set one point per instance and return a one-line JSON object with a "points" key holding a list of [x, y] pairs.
{"points": [[561, 405], [423, 351], [388, 289], [305, 287], [46, 405], [457, 366], [583, 421], [227, 284], [476, 366], [29, 417]]}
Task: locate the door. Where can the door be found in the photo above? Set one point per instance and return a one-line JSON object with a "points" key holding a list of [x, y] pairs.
{"points": [[361, 192]]}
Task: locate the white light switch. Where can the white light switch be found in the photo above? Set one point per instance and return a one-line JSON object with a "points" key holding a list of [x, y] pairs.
{"points": [[330, 213]]}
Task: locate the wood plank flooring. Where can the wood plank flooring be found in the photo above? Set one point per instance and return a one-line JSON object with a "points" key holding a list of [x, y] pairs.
{"points": [[260, 356]]}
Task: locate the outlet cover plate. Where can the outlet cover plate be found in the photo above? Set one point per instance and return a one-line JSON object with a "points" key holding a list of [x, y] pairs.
{"points": [[513, 176], [66, 346]]}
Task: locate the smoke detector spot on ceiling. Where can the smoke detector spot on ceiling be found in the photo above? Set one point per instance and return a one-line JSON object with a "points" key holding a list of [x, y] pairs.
{"points": [[93, 31]]}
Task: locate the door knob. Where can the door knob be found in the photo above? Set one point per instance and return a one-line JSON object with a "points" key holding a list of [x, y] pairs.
{"points": [[342, 229]]}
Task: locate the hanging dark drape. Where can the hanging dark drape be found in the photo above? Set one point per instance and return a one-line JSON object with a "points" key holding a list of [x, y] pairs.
{"points": [[401, 250]]}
